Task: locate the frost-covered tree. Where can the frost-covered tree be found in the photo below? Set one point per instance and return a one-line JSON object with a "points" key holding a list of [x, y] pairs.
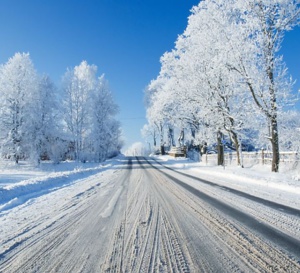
{"points": [[78, 85], [166, 107], [262, 26], [89, 114], [289, 129], [155, 115], [150, 130], [105, 130], [18, 87], [225, 70], [220, 91], [36, 122], [194, 88], [42, 121]]}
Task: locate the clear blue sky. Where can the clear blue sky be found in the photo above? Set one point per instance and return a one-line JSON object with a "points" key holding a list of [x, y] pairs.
{"points": [[125, 39]]}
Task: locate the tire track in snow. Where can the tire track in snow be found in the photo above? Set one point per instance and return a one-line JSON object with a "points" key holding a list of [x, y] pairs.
{"points": [[280, 217], [68, 241], [244, 221], [156, 225], [37, 255], [285, 241], [152, 241], [268, 203]]}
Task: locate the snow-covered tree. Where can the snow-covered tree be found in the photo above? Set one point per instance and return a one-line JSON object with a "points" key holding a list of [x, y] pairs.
{"points": [[289, 129], [262, 27], [220, 91], [42, 121], [150, 131], [155, 117], [105, 130], [18, 87], [89, 114], [225, 70], [36, 122], [78, 85]]}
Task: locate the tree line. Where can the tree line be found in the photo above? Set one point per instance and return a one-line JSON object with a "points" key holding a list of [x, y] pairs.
{"points": [[225, 79], [40, 121]]}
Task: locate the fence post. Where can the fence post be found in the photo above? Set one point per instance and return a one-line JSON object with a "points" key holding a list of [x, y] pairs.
{"points": [[262, 156]]}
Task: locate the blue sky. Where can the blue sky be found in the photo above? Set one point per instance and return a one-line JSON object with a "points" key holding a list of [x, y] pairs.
{"points": [[125, 39]]}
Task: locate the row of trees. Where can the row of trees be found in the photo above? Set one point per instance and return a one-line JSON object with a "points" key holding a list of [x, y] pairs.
{"points": [[225, 77], [39, 121]]}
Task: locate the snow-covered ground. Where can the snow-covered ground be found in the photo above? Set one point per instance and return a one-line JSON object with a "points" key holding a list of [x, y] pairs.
{"points": [[23, 182], [282, 187], [61, 202]]}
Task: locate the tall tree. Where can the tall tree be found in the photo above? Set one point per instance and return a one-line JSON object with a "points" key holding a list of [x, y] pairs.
{"points": [[89, 114], [78, 84], [18, 84], [263, 25], [42, 120], [105, 130], [225, 70]]}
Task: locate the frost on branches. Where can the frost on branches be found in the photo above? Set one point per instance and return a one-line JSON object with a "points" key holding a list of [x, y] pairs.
{"points": [[226, 78], [38, 122], [89, 112]]}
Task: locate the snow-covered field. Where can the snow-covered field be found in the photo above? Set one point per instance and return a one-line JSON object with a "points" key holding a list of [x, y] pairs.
{"points": [[20, 183], [141, 219]]}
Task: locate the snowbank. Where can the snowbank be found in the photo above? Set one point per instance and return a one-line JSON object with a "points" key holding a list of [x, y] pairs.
{"points": [[19, 183], [257, 180]]}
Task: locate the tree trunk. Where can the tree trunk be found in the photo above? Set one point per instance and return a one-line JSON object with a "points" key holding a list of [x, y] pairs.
{"points": [[220, 149], [162, 150], [275, 145], [203, 148], [171, 137], [154, 139], [181, 138], [237, 148], [162, 144]]}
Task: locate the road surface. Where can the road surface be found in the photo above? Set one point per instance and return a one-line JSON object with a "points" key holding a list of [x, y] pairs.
{"points": [[143, 217]]}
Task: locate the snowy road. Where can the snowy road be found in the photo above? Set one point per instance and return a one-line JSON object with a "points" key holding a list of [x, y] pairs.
{"points": [[143, 217]]}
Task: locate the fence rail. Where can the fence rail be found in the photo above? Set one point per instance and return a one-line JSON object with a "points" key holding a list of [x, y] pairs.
{"points": [[250, 158]]}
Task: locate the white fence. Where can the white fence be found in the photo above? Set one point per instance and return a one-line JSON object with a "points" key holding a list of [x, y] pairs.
{"points": [[290, 159]]}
